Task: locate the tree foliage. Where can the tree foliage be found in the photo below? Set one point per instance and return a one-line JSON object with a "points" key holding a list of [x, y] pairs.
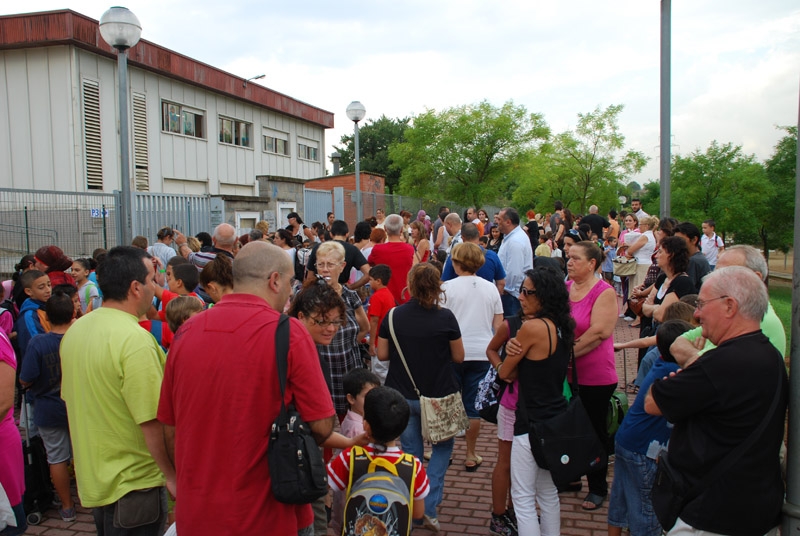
{"points": [[777, 229], [723, 184], [374, 139], [582, 167], [467, 154]]}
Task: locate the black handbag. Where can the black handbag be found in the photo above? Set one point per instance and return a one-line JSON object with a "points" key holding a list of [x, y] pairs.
{"points": [[296, 468], [671, 494], [567, 445]]}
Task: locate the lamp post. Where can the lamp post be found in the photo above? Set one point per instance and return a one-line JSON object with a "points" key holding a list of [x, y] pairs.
{"points": [[257, 77], [121, 29], [356, 112]]}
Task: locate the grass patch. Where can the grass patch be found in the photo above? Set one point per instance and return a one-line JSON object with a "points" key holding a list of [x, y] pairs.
{"points": [[781, 298]]}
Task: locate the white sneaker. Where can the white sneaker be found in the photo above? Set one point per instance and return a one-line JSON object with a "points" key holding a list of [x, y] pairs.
{"points": [[431, 523], [628, 319]]}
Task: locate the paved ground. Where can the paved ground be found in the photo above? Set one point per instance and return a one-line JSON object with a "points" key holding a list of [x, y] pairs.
{"points": [[466, 505]]}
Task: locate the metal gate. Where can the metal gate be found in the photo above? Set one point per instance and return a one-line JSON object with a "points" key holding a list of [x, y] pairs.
{"points": [[190, 214], [317, 204]]}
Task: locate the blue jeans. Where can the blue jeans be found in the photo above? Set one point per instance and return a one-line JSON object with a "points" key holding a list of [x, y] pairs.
{"points": [[630, 505], [510, 303], [104, 521], [647, 363], [411, 439]]}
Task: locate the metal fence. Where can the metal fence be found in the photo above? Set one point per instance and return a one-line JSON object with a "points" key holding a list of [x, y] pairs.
{"points": [[79, 223], [317, 204]]}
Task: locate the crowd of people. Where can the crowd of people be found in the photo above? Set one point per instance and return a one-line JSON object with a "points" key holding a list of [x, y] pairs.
{"points": [[153, 368]]}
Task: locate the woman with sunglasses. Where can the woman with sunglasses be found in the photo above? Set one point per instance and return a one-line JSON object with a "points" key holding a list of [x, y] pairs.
{"points": [[540, 366], [343, 353]]}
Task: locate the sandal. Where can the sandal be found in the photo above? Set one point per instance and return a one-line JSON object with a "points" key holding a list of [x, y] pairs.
{"points": [[632, 388], [472, 464], [595, 500]]}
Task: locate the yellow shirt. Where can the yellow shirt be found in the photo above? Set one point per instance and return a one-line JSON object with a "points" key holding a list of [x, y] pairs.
{"points": [[111, 381]]}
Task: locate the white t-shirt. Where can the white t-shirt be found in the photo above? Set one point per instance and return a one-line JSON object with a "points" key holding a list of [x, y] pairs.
{"points": [[710, 245], [474, 301]]}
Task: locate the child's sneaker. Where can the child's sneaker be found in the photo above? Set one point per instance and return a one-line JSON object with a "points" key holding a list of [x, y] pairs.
{"points": [[67, 514], [502, 525]]}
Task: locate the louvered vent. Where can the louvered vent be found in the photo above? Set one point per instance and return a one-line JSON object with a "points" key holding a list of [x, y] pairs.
{"points": [[91, 135], [140, 156]]}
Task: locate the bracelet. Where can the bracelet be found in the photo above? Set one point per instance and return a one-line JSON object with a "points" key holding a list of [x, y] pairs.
{"points": [[497, 368], [162, 271]]}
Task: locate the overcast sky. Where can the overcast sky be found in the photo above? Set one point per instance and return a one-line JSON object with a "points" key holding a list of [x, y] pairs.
{"points": [[735, 63]]}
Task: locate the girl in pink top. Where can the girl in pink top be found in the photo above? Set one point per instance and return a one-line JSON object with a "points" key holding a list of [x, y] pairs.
{"points": [[12, 477], [594, 309]]}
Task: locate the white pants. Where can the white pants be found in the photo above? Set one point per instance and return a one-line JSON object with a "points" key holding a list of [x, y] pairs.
{"points": [[682, 528], [530, 484]]}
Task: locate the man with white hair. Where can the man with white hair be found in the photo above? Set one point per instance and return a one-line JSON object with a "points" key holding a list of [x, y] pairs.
{"points": [[718, 402], [452, 224], [395, 253], [692, 345]]}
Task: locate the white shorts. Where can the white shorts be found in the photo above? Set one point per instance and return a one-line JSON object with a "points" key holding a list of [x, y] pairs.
{"points": [[505, 423]]}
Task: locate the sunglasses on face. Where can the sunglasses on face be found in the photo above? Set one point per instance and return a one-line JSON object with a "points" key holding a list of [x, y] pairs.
{"points": [[527, 291]]}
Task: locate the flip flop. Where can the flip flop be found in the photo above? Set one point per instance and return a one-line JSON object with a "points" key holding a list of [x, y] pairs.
{"points": [[476, 462], [595, 500]]}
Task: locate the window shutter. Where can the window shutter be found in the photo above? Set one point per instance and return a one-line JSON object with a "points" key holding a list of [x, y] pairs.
{"points": [[140, 155], [91, 135]]}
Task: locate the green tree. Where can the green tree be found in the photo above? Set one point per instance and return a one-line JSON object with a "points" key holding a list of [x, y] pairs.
{"points": [[723, 184], [468, 154], [777, 222], [374, 139], [586, 166], [651, 197]]}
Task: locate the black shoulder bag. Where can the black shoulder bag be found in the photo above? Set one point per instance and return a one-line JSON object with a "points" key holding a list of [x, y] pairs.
{"points": [[567, 444], [296, 468], [670, 494]]}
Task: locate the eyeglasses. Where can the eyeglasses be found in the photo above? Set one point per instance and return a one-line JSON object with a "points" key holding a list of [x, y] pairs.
{"points": [[328, 265], [699, 304], [325, 323], [527, 291]]}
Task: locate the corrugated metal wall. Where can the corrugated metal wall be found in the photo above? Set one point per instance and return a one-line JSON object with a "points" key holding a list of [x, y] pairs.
{"points": [[190, 214], [317, 205]]}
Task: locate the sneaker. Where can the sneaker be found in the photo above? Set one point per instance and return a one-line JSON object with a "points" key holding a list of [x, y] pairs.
{"points": [[431, 523], [67, 514], [501, 525], [628, 319], [510, 514]]}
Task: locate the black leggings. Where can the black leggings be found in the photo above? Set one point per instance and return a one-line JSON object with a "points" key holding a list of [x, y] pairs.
{"points": [[595, 399]]}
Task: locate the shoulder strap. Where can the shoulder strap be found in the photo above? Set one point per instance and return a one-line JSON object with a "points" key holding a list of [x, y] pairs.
{"points": [[549, 339], [281, 355], [727, 463], [400, 350]]}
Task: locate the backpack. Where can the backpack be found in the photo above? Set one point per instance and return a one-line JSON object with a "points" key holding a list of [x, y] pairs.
{"points": [[7, 306], [617, 408], [380, 495]]}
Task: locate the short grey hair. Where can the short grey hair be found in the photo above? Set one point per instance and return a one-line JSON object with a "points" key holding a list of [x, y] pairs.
{"points": [[225, 235], [743, 285], [593, 209], [393, 224], [753, 259]]}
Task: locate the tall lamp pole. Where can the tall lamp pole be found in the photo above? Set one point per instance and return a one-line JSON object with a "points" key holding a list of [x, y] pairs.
{"points": [[356, 112], [120, 28]]}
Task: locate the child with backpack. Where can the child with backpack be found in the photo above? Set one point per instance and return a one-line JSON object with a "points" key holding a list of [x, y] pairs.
{"points": [[385, 487], [357, 383], [182, 280], [41, 373]]}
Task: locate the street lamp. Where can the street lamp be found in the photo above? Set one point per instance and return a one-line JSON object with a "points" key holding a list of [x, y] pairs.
{"points": [[121, 29], [258, 77], [356, 112]]}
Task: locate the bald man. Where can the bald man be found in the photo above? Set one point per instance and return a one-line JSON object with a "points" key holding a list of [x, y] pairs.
{"points": [[224, 356], [223, 240]]}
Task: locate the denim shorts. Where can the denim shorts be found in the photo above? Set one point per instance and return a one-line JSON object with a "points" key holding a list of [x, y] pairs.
{"points": [[470, 374], [630, 504], [56, 444], [505, 423]]}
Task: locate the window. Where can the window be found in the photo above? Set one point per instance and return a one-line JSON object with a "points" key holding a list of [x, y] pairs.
{"points": [[307, 152], [276, 142], [178, 119], [235, 132]]}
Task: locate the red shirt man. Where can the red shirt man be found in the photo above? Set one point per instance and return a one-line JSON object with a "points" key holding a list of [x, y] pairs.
{"points": [[395, 253], [220, 395]]}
